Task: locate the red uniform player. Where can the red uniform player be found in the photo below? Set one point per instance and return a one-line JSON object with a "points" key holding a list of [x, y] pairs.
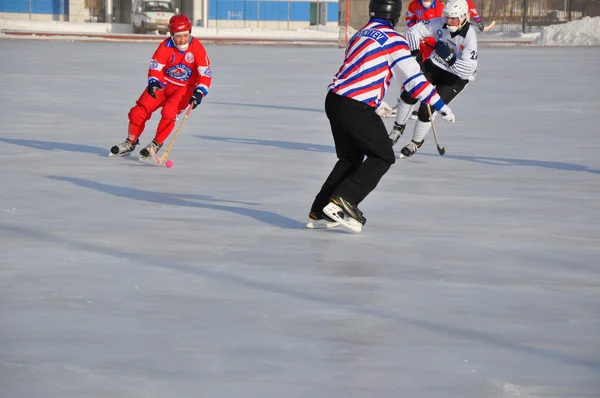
{"points": [[474, 15], [419, 10], [179, 75]]}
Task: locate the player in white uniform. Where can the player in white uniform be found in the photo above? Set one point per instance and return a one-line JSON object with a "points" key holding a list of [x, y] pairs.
{"points": [[450, 68]]}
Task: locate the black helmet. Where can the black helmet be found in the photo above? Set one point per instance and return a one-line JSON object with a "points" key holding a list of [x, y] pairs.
{"points": [[386, 9]]}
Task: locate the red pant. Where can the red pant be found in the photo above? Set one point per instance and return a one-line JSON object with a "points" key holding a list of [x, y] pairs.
{"points": [[173, 99]]}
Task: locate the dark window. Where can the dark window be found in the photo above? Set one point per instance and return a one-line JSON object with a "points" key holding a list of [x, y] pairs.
{"points": [[158, 6]]}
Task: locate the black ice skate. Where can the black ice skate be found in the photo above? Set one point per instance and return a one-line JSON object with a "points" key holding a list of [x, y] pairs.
{"points": [[145, 153], [396, 132], [124, 148], [410, 149], [346, 213], [321, 221]]}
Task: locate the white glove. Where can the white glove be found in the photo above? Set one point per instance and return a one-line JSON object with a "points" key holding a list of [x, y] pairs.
{"points": [[447, 114], [384, 110]]}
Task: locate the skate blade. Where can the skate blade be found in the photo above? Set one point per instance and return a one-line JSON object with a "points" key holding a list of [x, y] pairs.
{"points": [[322, 224], [118, 155], [337, 214], [402, 156]]}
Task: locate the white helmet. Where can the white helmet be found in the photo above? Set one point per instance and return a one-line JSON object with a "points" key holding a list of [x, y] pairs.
{"points": [[456, 9]]}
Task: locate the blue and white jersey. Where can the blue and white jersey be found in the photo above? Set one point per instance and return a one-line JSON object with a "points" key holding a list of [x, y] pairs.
{"points": [[463, 45], [374, 54]]}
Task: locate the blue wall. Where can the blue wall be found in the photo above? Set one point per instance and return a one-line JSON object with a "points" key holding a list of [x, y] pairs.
{"points": [[56, 7], [244, 10], [253, 10]]}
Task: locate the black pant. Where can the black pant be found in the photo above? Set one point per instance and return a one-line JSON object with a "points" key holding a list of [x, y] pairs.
{"points": [[357, 132], [447, 84]]}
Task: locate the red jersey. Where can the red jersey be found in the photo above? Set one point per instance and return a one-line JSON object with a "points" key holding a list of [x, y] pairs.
{"points": [[473, 12], [417, 12], [181, 68]]}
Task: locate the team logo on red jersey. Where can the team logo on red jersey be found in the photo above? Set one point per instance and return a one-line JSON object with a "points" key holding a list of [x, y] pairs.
{"points": [[189, 57], [180, 72]]}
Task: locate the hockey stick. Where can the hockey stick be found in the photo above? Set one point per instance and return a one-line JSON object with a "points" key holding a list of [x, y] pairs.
{"points": [[441, 149], [490, 26], [165, 154]]}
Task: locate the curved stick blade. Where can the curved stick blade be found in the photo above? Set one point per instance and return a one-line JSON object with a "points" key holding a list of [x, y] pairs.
{"points": [[155, 156]]}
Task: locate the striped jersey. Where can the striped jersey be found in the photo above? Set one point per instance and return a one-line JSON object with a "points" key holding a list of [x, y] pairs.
{"points": [[374, 54], [463, 45]]}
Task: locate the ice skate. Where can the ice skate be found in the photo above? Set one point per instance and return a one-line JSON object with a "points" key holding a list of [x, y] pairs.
{"points": [[410, 149], [124, 148], [345, 213], [145, 153], [396, 132], [321, 221]]}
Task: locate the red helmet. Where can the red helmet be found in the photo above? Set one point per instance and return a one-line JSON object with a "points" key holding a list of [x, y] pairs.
{"points": [[179, 23]]}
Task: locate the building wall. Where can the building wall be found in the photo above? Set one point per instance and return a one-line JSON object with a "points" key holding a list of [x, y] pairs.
{"points": [[77, 11], [227, 12], [54, 7], [45, 10], [33, 16], [266, 14], [53, 10]]}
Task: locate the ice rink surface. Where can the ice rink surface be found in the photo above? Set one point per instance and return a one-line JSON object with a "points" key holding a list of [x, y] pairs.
{"points": [[476, 275]]}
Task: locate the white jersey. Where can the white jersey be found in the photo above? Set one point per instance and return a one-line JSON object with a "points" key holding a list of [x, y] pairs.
{"points": [[463, 45]]}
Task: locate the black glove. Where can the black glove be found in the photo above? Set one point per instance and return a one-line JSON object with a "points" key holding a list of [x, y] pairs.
{"points": [[443, 50], [481, 26], [153, 85], [418, 58], [197, 96]]}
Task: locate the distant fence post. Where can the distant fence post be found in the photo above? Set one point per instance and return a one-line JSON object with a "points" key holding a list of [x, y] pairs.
{"points": [[524, 7]]}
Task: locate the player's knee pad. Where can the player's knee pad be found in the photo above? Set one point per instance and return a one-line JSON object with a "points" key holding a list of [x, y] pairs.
{"points": [[404, 96], [423, 113]]}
